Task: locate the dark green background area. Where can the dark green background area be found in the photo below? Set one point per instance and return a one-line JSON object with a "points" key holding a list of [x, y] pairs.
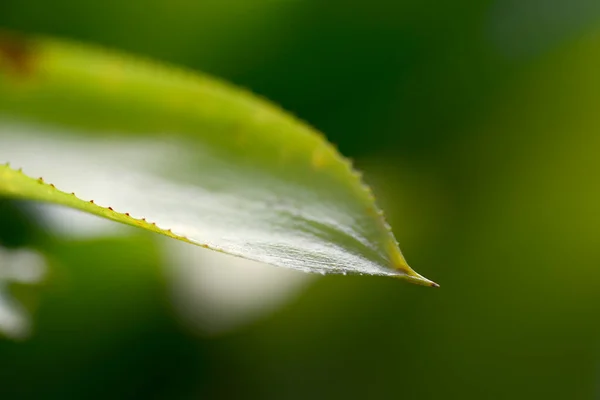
{"points": [[477, 123]]}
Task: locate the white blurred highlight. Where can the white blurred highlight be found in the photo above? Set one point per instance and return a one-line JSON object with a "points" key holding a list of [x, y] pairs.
{"points": [[216, 293], [17, 266]]}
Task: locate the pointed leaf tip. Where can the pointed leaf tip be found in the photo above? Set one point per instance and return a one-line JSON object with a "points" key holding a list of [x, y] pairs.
{"points": [[419, 280]]}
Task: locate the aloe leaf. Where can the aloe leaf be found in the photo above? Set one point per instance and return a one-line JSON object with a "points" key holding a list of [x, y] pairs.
{"points": [[229, 171]]}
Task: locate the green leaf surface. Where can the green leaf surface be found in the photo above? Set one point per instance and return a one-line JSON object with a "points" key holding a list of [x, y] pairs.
{"points": [[183, 155]]}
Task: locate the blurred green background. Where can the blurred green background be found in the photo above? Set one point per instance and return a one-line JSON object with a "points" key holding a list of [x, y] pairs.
{"points": [[478, 125]]}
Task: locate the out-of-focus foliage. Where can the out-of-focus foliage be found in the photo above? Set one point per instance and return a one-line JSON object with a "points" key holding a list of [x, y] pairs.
{"points": [[480, 138]]}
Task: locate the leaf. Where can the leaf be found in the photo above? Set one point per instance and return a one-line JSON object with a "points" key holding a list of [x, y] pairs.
{"points": [[186, 156]]}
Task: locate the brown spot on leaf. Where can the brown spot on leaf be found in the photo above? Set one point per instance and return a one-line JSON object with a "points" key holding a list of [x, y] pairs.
{"points": [[17, 54]]}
